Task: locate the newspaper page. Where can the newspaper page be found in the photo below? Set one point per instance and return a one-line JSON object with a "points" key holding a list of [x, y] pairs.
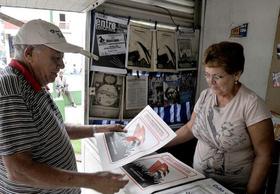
{"points": [[206, 186], [106, 92], [157, 172], [109, 43], [147, 132], [139, 51], [166, 50], [136, 94]]}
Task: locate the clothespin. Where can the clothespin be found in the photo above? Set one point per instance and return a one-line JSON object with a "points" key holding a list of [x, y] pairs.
{"points": [[155, 25], [128, 20]]}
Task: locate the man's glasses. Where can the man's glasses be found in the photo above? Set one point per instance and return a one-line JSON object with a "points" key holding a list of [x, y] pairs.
{"points": [[215, 77]]}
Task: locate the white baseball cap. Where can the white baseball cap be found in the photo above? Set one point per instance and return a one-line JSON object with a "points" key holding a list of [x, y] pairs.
{"points": [[36, 32]]}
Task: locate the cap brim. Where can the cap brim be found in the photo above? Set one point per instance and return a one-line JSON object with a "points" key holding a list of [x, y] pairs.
{"points": [[70, 48]]}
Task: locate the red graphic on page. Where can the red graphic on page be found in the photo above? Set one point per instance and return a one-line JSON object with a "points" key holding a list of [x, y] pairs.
{"points": [[138, 136], [159, 169]]}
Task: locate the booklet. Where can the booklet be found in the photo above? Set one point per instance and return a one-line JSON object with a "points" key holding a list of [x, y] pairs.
{"points": [[206, 186], [156, 172], [146, 133]]}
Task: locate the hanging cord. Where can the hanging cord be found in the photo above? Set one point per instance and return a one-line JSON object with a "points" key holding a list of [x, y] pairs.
{"points": [[169, 13]]}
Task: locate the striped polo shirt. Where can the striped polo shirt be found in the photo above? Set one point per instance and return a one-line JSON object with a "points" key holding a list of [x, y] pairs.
{"points": [[30, 121]]}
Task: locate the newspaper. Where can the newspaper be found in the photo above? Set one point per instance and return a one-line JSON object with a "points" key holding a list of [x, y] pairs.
{"points": [[136, 95], [157, 172], [206, 186], [147, 132], [136, 92]]}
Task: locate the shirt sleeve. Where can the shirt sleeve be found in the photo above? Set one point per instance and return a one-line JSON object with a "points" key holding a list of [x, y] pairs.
{"points": [[17, 128], [256, 111], [200, 100]]}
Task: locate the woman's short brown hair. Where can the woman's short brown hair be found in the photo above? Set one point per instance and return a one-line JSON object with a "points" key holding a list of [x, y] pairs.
{"points": [[229, 55]]}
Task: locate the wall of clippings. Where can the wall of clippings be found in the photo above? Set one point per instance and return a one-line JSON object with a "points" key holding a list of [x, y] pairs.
{"points": [[273, 86], [141, 65]]}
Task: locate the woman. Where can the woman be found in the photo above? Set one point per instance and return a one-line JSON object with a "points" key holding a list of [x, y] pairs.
{"points": [[232, 125]]}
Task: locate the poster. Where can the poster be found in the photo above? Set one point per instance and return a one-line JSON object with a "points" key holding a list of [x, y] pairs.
{"points": [[187, 51], [140, 42], [110, 35], [171, 86], [155, 90], [165, 50]]}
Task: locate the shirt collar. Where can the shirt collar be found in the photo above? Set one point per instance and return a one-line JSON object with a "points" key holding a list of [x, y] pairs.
{"points": [[26, 74]]}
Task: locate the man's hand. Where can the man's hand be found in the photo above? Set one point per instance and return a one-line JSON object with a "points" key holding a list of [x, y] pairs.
{"points": [[110, 128], [108, 183]]}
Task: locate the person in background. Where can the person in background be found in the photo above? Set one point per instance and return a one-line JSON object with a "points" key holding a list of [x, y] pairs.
{"points": [[232, 124], [35, 149], [61, 87]]}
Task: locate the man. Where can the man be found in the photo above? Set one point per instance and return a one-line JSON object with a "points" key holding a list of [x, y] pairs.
{"points": [[61, 87], [36, 154]]}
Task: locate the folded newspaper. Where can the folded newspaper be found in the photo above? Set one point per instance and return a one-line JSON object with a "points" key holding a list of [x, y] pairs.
{"points": [[206, 186]]}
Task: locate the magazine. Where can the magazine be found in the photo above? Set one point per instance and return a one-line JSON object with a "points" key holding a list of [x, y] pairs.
{"points": [[146, 133]]}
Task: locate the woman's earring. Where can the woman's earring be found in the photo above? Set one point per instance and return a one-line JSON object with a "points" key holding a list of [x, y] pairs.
{"points": [[236, 82]]}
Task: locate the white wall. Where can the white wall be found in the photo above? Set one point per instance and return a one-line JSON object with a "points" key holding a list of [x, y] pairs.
{"points": [[222, 15]]}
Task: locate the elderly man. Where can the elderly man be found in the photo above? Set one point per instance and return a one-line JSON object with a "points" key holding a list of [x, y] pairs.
{"points": [[35, 149]]}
